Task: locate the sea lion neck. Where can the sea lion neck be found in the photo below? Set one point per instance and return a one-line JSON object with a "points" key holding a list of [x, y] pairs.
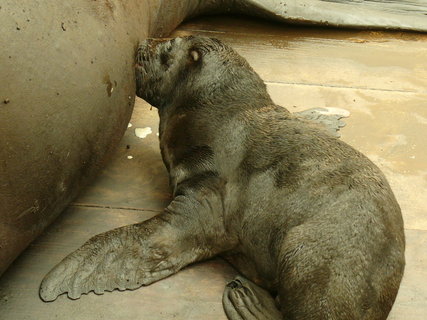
{"points": [[215, 107], [225, 100]]}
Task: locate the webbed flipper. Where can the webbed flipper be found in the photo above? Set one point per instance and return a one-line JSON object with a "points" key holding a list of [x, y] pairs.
{"points": [[140, 254], [329, 118], [244, 300], [123, 258]]}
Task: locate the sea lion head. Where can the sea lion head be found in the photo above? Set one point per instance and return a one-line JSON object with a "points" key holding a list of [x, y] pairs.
{"points": [[189, 69]]}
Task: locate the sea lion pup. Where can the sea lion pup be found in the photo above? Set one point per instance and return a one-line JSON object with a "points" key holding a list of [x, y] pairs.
{"points": [[311, 222]]}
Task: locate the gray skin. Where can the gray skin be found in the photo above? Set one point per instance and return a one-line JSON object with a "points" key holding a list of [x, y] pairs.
{"points": [[311, 222]]}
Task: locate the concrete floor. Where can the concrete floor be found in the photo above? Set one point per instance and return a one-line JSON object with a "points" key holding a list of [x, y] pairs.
{"points": [[381, 78]]}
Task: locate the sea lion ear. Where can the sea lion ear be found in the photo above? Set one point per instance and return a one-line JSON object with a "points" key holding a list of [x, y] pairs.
{"points": [[194, 55]]}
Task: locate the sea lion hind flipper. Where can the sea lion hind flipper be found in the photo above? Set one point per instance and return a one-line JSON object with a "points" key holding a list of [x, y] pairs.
{"points": [[328, 118], [244, 300], [124, 258]]}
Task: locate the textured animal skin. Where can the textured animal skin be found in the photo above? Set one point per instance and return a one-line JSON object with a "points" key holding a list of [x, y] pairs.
{"points": [[311, 224]]}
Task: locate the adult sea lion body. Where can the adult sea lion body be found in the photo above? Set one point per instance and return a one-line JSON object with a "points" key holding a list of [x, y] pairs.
{"points": [[299, 213]]}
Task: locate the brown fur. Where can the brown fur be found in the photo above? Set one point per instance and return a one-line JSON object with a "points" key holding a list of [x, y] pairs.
{"points": [[297, 211]]}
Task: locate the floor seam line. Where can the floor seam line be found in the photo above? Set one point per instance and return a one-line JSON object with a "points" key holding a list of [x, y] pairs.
{"points": [[100, 206], [271, 35], [342, 87], [415, 229]]}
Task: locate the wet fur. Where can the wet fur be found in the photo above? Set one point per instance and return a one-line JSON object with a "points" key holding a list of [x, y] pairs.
{"points": [[295, 210], [316, 218]]}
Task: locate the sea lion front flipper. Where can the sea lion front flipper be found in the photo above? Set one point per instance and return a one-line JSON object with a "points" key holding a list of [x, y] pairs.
{"points": [[329, 118], [244, 300], [140, 254], [123, 258]]}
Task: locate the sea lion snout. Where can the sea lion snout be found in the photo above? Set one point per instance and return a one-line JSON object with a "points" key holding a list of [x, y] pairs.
{"points": [[159, 63], [151, 47]]}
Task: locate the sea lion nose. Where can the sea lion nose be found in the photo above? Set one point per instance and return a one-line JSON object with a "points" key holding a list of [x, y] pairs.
{"points": [[147, 48]]}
